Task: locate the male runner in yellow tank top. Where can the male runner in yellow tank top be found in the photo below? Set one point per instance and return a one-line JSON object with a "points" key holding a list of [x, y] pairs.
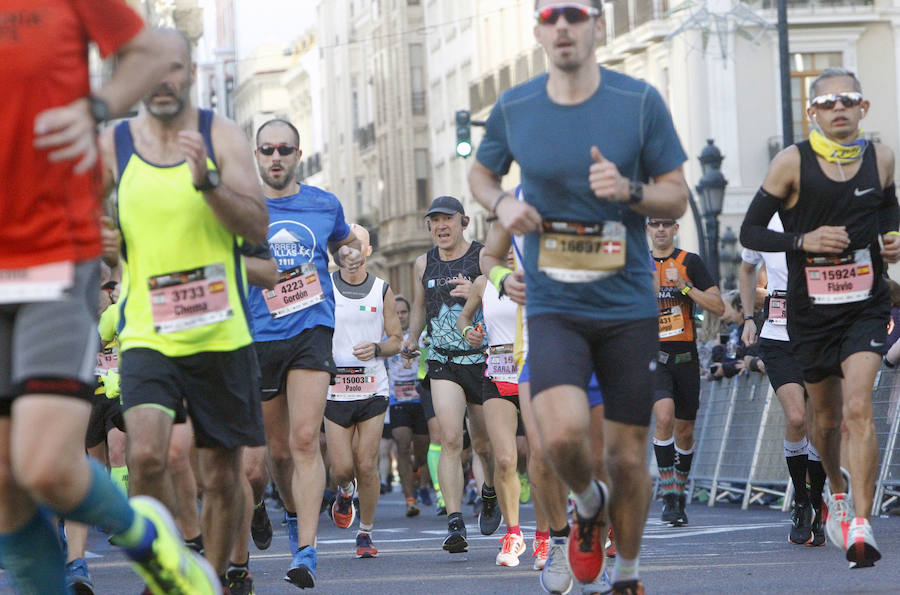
{"points": [[188, 201]]}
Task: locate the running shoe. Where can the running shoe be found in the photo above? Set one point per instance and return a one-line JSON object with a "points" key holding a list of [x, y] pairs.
{"points": [[587, 540], [634, 587], [78, 578], [525, 493], [610, 544], [818, 527], [556, 577], [327, 501], [261, 527], [411, 508], [239, 581], [512, 545], [424, 497], [456, 542], [364, 546], [600, 585], [290, 523], [840, 513], [541, 549], [303, 568], [171, 567], [343, 513], [801, 524], [489, 519], [862, 551], [670, 509], [682, 519]]}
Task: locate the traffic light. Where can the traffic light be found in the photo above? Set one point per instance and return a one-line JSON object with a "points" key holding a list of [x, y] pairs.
{"points": [[463, 133]]}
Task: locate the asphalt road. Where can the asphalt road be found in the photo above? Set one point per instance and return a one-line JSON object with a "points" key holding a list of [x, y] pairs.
{"points": [[723, 550]]}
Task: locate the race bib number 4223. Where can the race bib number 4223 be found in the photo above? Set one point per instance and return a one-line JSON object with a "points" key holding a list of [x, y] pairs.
{"points": [[297, 288]]}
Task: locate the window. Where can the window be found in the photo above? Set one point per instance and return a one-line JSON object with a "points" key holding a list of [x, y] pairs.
{"points": [[804, 69], [359, 198], [421, 170], [417, 77]]}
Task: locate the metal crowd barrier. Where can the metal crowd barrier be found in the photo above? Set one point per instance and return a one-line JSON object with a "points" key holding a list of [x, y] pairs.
{"points": [[739, 454]]}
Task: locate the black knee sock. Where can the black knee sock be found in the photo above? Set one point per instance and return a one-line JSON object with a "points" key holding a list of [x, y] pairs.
{"points": [[683, 461], [665, 461], [816, 482]]}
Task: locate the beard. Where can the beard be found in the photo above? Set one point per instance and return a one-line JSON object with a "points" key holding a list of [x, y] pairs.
{"points": [[166, 112], [278, 183]]}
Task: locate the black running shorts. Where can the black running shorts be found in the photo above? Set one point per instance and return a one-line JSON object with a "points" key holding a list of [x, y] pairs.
{"points": [[467, 376], [423, 387], [409, 415], [679, 379], [781, 363], [821, 355], [106, 414], [349, 413], [310, 350], [218, 390], [566, 350]]}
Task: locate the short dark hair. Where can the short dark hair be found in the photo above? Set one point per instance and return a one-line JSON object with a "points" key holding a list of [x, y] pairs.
{"points": [[283, 122], [400, 298], [598, 4], [834, 72]]}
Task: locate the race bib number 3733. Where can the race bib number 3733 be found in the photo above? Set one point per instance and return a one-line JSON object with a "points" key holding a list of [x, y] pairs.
{"points": [[189, 299]]}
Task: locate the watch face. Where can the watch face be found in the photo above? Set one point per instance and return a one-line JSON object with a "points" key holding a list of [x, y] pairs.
{"points": [[213, 177]]}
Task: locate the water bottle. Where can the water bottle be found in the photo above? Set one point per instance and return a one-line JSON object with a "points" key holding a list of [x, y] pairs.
{"points": [[731, 348]]}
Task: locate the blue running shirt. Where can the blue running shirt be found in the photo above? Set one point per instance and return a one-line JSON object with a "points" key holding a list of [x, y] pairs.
{"points": [[300, 228], [627, 120]]}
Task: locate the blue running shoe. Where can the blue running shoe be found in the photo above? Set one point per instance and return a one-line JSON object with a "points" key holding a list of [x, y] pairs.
{"points": [[291, 525], [78, 578], [424, 496], [303, 569]]}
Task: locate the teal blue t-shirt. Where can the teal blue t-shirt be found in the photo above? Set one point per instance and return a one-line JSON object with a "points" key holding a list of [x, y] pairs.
{"points": [[627, 120]]}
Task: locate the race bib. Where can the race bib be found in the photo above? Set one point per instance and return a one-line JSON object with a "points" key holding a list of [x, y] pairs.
{"points": [[351, 384], [581, 252], [777, 311], [405, 391], [501, 364], [840, 280], [671, 322], [189, 299], [297, 289], [42, 283], [107, 361]]}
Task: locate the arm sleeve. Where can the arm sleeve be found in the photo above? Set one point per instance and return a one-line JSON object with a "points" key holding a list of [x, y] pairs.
{"points": [[889, 213], [699, 275], [341, 229], [256, 250], [755, 233], [661, 151], [109, 23], [494, 152], [751, 256]]}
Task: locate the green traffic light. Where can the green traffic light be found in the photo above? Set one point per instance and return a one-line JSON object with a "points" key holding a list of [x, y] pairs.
{"points": [[464, 148]]}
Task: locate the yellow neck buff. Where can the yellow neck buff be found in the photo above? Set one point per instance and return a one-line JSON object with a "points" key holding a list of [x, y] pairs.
{"points": [[836, 152]]}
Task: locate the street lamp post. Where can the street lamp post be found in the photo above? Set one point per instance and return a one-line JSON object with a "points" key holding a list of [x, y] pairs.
{"points": [[730, 258], [711, 189]]}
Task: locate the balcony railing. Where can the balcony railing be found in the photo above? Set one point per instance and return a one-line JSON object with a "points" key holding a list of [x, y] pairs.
{"points": [[365, 136], [418, 102], [310, 167]]}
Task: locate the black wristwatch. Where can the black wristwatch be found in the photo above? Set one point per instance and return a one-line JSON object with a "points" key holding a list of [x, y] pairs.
{"points": [[748, 317], [637, 192], [99, 109], [377, 350], [210, 182]]}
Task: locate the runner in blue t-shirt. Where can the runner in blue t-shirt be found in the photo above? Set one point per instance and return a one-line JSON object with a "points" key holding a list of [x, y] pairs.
{"points": [[588, 140], [293, 327]]}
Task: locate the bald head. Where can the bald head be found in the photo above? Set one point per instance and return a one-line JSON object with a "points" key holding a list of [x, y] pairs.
{"points": [[178, 41], [362, 234]]}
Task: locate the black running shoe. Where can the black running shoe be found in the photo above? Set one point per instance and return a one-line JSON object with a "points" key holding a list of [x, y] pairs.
{"points": [[670, 509], [239, 581], [261, 527], [801, 523], [818, 528], [682, 519], [490, 516], [455, 542]]}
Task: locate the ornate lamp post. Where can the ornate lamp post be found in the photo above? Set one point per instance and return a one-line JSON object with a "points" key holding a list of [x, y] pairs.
{"points": [[711, 189]]}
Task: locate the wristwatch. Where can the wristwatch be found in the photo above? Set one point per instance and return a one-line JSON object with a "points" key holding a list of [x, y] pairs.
{"points": [[210, 182], [637, 192], [748, 317], [99, 109], [377, 350]]}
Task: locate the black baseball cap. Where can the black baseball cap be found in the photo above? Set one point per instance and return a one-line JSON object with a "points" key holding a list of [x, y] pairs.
{"points": [[446, 205]]}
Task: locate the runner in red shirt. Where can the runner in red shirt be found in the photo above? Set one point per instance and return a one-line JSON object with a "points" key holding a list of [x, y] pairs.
{"points": [[49, 275]]}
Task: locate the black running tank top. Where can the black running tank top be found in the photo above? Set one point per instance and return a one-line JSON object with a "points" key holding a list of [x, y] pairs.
{"points": [[853, 203], [442, 309]]}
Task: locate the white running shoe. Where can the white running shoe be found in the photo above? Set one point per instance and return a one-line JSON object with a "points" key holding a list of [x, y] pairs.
{"points": [[541, 549], [601, 584], [556, 578], [512, 545], [840, 513], [862, 551]]}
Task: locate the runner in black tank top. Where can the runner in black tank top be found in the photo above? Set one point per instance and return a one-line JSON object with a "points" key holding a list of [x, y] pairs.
{"points": [[443, 279], [838, 203]]}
